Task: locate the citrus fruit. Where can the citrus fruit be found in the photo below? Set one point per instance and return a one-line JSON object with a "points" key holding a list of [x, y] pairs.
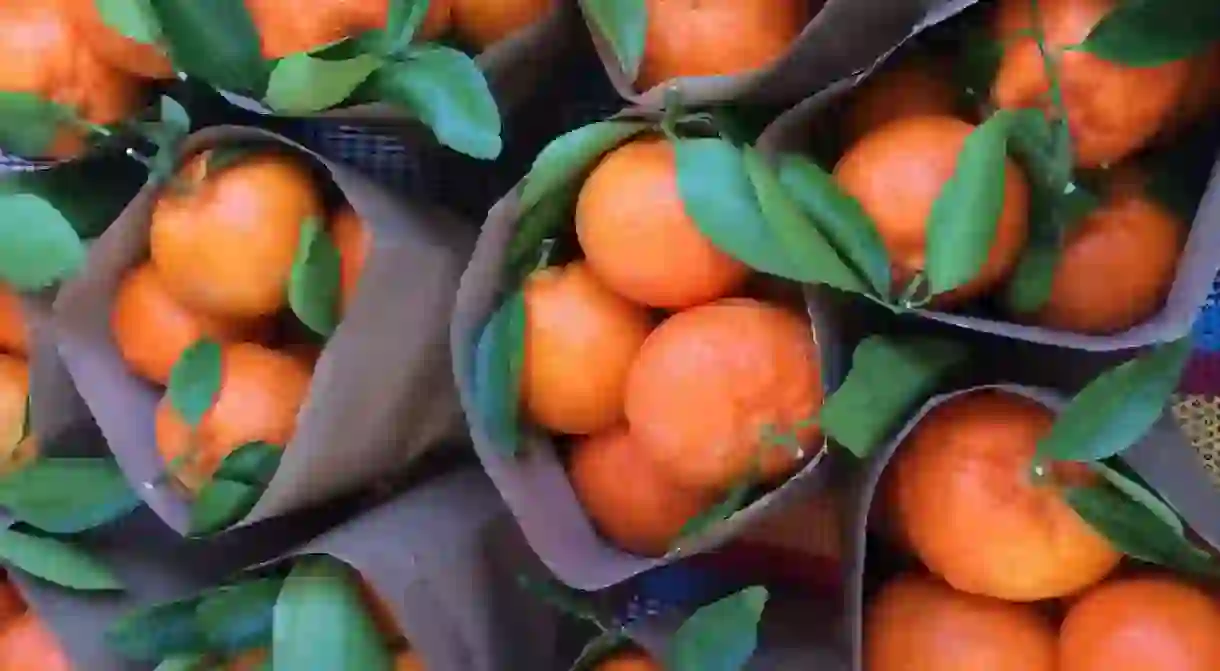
{"points": [[643, 514], [14, 398], [27, 644], [482, 23], [637, 237], [1113, 110], [916, 86], [917, 622], [580, 340], [725, 392], [286, 28], [151, 328], [12, 606], [897, 173], [633, 660], [120, 51], [353, 240], [974, 511], [1201, 97], [383, 616], [702, 38], [261, 392], [1142, 624], [407, 660], [13, 336], [251, 660], [41, 54], [224, 243]]}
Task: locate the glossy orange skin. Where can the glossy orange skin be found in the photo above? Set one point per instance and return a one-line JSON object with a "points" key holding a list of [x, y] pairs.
{"points": [[13, 336], [120, 51], [289, 27], [643, 514], [353, 240], [580, 341], [42, 54], [637, 237], [27, 644], [917, 623], [407, 660], [12, 606], [700, 38], [710, 383], [14, 395], [968, 504], [482, 23], [897, 173], [1113, 110], [224, 244], [1142, 624], [634, 660], [261, 392], [916, 86]]}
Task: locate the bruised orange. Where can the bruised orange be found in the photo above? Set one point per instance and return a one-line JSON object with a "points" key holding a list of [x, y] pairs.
{"points": [[644, 513], [27, 644], [353, 240], [580, 340], [725, 392], [120, 51], [12, 606], [13, 335], [632, 660], [1142, 624], [637, 237], [916, 622], [224, 243], [482, 23], [898, 171], [407, 660], [917, 86], [702, 38], [14, 397], [261, 392], [1113, 110], [970, 507]]}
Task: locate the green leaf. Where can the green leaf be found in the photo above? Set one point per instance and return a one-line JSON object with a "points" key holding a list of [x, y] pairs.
{"points": [[238, 617], [321, 623], [88, 198], [624, 24], [183, 663], [538, 224], [732, 502], [160, 631], [67, 496], [303, 84], [252, 464], [133, 19], [194, 381], [1118, 408], [498, 361], [571, 155], [314, 287], [888, 380], [811, 257], [404, 20], [38, 246], [175, 116], [56, 562], [721, 636], [1142, 495], [30, 123], [962, 224], [600, 649], [221, 504], [977, 63], [840, 218], [445, 89], [1148, 33], [215, 41]]}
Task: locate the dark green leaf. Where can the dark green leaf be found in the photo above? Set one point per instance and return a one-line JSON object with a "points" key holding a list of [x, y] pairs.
{"points": [[404, 19], [56, 562], [1030, 286], [600, 648], [67, 496], [571, 155], [446, 90], [133, 19], [88, 198], [721, 636], [1118, 408], [160, 631], [723, 510], [302, 84], [497, 373], [314, 287], [221, 504], [38, 245], [1142, 495], [215, 41], [889, 378], [976, 66], [252, 464], [184, 663], [238, 617], [29, 123], [541, 222], [321, 623], [167, 136], [623, 23], [1148, 33], [194, 381]]}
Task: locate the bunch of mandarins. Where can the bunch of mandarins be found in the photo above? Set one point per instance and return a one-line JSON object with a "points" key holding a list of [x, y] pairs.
{"points": [[671, 416], [965, 496], [223, 243], [25, 642]]}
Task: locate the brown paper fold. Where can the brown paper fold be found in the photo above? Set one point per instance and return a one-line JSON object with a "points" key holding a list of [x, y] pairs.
{"points": [[382, 392]]}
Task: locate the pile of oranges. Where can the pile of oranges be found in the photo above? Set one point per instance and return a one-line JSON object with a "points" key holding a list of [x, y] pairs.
{"points": [[223, 243], [16, 448], [722, 392], [25, 641]]}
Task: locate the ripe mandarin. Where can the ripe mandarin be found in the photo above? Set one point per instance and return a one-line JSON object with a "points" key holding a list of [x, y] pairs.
{"points": [[14, 397], [633, 660], [120, 51], [26, 644], [288, 27], [482, 23], [916, 86], [353, 240], [13, 336], [407, 660]]}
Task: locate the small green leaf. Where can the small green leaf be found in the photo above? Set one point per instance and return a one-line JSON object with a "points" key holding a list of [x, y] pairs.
{"points": [[215, 41], [238, 617], [314, 287], [56, 562], [538, 224], [498, 360], [600, 649], [175, 116], [321, 623], [221, 504], [67, 496], [1148, 33], [1142, 495], [721, 636], [445, 89], [160, 631], [303, 84], [732, 502], [571, 155], [29, 124], [404, 20], [38, 246], [253, 463], [194, 381], [184, 663], [623, 23], [133, 19], [1118, 408], [1031, 283], [889, 378]]}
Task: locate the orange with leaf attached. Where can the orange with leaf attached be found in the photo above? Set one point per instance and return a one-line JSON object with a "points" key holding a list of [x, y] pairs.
{"points": [[120, 51], [13, 330], [632, 660], [287, 28], [27, 644], [482, 23], [917, 86]]}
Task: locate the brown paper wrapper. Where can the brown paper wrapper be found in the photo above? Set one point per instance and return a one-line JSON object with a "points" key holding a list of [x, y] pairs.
{"points": [[382, 392]]}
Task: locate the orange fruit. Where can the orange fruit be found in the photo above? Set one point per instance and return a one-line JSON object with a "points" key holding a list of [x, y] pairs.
{"points": [[261, 392], [407, 660], [637, 237], [482, 23], [353, 240], [13, 336], [1142, 624], [644, 513], [897, 172], [224, 244], [383, 616], [916, 622], [1201, 97], [27, 644], [42, 54], [287, 27], [251, 660], [916, 86], [580, 340], [1113, 110], [633, 660], [14, 396], [715, 387], [120, 51], [968, 503], [703, 38], [12, 606], [151, 329]]}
